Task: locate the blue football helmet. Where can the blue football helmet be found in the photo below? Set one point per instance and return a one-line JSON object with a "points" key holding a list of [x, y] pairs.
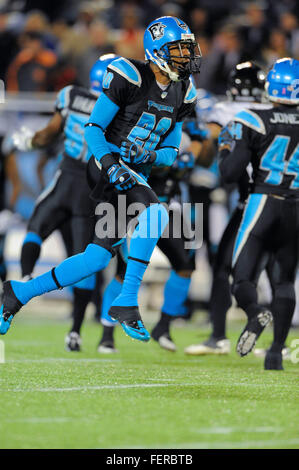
{"points": [[282, 83], [98, 70], [167, 33]]}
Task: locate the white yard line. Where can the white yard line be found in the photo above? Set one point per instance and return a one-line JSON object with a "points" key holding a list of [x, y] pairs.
{"points": [[126, 386], [234, 445], [91, 387], [63, 359], [226, 445], [233, 429], [34, 420]]}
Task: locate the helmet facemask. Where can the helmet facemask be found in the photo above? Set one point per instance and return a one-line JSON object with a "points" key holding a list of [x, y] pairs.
{"points": [[173, 65]]}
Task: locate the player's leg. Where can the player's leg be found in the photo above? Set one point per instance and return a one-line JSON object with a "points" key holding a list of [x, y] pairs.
{"points": [[177, 286], [97, 297], [49, 213], [113, 289], [284, 299], [82, 232], [3, 270], [151, 223], [70, 271], [253, 241], [220, 300]]}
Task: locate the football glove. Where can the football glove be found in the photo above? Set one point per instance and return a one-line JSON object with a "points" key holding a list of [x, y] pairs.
{"points": [[225, 139], [133, 153], [197, 131], [120, 177], [184, 161], [22, 139]]}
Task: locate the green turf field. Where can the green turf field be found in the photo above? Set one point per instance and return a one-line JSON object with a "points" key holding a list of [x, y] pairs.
{"points": [[143, 397]]}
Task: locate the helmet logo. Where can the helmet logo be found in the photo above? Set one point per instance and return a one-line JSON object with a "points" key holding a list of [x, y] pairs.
{"points": [[157, 30], [181, 24]]}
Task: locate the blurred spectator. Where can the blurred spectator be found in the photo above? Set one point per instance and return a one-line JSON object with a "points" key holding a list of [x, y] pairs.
{"points": [[51, 8], [8, 43], [202, 79], [37, 22], [87, 14], [225, 53], [79, 31], [32, 67], [289, 25], [72, 43], [200, 23], [130, 41], [276, 48], [100, 44], [171, 9], [255, 32]]}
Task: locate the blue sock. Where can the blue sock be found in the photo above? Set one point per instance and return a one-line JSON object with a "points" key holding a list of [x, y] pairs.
{"points": [[70, 271], [133, 277], [175, 294], [152, 222], [87, 284], [112, 290]]}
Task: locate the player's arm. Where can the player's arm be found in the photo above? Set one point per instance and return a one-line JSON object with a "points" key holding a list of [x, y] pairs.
{"points": [[202, 146], [234, 153], [12, 174], [214, 129], [104, 111], [25, 139], [102, 114], [48, 135], [168, 152]]}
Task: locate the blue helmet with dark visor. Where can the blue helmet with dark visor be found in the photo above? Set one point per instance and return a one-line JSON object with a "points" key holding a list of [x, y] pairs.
{"points": [[166, 41]]}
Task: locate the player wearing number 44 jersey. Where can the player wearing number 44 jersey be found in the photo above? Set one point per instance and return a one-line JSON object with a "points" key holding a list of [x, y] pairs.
{"points": [[135, 124], [270, 224]]}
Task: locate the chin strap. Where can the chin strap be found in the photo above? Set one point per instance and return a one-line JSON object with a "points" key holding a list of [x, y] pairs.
{"points": [[164, 67]]}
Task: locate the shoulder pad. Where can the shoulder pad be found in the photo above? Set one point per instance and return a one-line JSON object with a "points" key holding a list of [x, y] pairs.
{"points": [[191, 94], [126, 69], [63, 97], [251, 119]]}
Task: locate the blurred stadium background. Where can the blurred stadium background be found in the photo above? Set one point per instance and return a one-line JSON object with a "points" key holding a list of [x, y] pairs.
{"points": [[47, 45]]}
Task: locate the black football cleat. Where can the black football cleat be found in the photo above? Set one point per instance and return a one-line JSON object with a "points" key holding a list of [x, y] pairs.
{"points": [[107, 347], [11, 305], [252, 332], [273, 361], [73, 341], [131, 322]]}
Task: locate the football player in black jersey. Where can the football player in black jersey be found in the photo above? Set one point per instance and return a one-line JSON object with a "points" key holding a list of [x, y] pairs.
{"points": [[66, 199], [268, 139], [166, 184], [135, 124], [245, 90]]}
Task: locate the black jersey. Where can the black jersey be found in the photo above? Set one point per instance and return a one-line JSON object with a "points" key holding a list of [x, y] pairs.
{"points": [[269, 140], [147, 113], [75, 105]]}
